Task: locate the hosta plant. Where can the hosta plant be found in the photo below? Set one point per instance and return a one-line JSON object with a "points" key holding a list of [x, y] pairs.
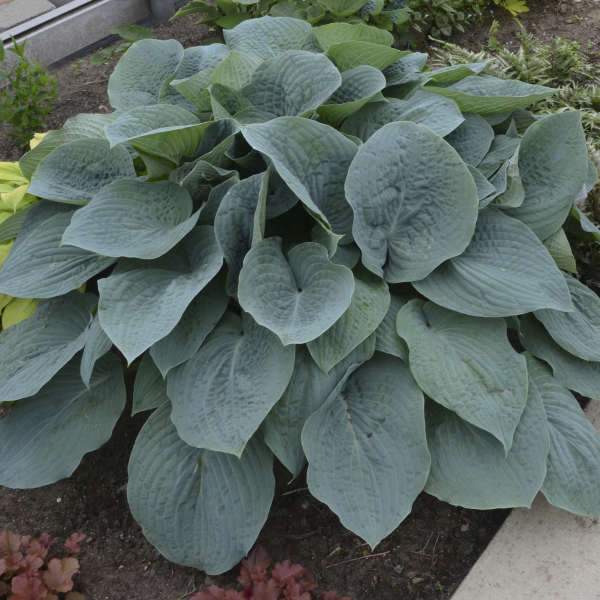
{"points": [[312, 248]]}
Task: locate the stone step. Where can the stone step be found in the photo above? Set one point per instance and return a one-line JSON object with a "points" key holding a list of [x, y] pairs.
{"points": [[13, 12]]}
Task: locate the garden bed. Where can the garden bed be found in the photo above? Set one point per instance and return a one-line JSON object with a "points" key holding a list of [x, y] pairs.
{"points": [[425, 559]]}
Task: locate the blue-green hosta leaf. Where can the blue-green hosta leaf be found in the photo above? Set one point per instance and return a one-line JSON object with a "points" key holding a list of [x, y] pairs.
{"points": [[366, 448], [485, 190], [133, 218], [489, 95], [467, 365], [406, 69], [412, 210], [97, 344], [143, 73], [224, 392], [313, 160], [439, 114], [472, 139], [268, 36], [298, 297], [574, 373], [44, 438], [337, 33], [74, 172], [201, 509], [503, 148], [553, 165], [35, 349], [292, 83], [452, 73], [577, 332], [349, 55], [236, 70], [491, 278], [369, 305], [559, 247], [309, 387], [470, 468], [358, 86], [38, 265], [388, 340], [198, 320], [141, 302], [149, 388], [574, 459]]}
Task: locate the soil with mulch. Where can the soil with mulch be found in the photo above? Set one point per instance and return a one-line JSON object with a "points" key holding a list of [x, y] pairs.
{"points": [[425, 559]]}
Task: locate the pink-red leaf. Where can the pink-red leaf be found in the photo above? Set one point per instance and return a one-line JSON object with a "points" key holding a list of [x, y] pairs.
{"points": [[74, 541], [59, 576]]}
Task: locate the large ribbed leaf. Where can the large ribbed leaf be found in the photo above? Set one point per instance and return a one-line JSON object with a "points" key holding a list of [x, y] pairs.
{"points": [[413, 210], [467, 365], [369, 305], [309, 387], [336, 33], [493, 279], [577, 332], [39, 266], [348, 55], [313, 160], [574, 459], [198, 320], [268, 36], [97, 344], [473, 139], [133, 218], [149, 389], [366, 448], [553, 164], [224, 392], [387, 337], [470, 468], [573, 373], [73, 173], [489, 95], [34, 350], [44, 438], [343, 8], [406, 69], [143, 73], [439, 114], [141, 302], [298, 297], [201, 509], [560, 249]]}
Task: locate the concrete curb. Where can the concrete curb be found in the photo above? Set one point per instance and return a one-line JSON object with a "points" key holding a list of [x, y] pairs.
{"points": [[539, 554]]}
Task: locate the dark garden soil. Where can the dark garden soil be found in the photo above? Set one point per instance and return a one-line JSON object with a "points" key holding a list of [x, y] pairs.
{"points": [[425, 559]]}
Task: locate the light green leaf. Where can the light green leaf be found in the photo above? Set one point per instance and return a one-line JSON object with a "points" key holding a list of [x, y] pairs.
{"points": [[578, 375], [388, 340], [470, 468], [452, 73], [491, 278], [408, 217], [268, 36], [472, 139], [224, 392], [200, 509], [133, 218], [337, 33], [574, 460], [198, 320], [553, 165], [141, 302], [343, 8], [467, 365], [313, 160], [298, 297], [44, 438], [35, 349], [488, 95], [236, 70], [439, 114], [97, 344], [369, 305], [39, 266], [143, 73], [74, 172], [348, 55], [559, 247], [366, 448], [149, 388]]}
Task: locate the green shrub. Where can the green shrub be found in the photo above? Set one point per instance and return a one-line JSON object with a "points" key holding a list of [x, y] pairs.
{"points": [[27, 95], [313, 255]]}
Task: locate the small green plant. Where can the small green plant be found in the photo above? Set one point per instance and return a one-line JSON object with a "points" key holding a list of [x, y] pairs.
{"points": [[260, 580], [443, 17], [27, 95], [514, 7], [28, 571]]}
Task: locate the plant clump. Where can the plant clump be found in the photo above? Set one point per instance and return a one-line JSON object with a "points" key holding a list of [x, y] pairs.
{"points": [[311, 247]]}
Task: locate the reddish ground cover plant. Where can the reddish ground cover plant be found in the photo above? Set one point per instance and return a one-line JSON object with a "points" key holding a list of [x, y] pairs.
{"points": [[28, 572], [261, 581]]}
